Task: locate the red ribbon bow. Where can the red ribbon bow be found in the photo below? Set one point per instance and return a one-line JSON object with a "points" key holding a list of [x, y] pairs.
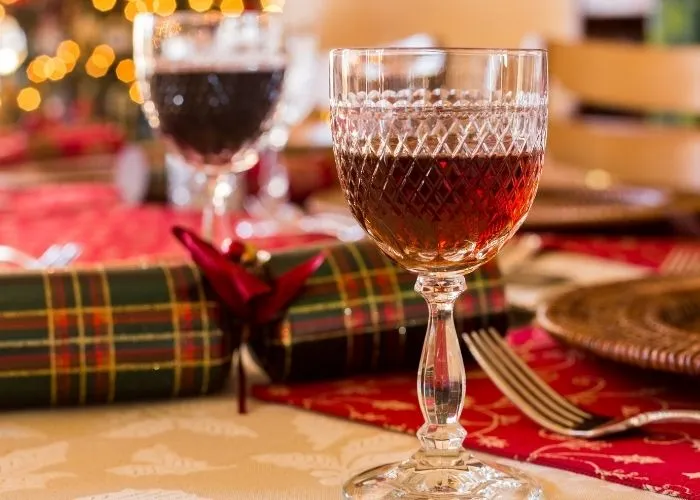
{"points": [[248, 297]]}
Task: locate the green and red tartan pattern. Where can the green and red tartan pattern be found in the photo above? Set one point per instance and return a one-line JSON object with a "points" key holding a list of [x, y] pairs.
{"points": [[359, 314], [121, 334], [90, 336]]}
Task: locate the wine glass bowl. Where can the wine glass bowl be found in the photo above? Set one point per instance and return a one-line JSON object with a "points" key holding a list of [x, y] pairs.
{"points": [[440, 168], [210, 83]]}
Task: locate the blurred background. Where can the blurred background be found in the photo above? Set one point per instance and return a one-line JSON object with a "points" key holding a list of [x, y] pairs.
{"points": [[70, 106]]}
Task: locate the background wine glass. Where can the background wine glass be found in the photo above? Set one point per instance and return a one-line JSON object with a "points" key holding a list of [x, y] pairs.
{"points": [[439, 153], [210, 82]]}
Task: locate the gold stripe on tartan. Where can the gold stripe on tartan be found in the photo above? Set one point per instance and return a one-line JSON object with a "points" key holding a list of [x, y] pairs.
{"points": [[51, 328], [28, 313], [400, 312], [338, 278], [131, 338], [112, 354], [371, 303], [177, 368], [80, 320], [206, 341], [125, 367]]}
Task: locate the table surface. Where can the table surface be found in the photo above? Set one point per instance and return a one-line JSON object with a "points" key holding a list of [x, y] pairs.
{"points": [[203, 449]]}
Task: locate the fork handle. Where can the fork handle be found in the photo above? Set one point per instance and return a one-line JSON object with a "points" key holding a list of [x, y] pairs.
{"points": [[652, 417]]}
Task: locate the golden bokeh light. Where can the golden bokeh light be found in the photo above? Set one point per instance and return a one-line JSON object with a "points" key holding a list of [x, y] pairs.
{"points": [[2, 11], [95, 70], [28, 99], [164, 7], [201, 5], [272, 5], [104, 52], [40, 69], [126, 71], [233, 7], [69, 52], [135, 93], [133, 7], [58, 69], [104, 5], [35, 72]]}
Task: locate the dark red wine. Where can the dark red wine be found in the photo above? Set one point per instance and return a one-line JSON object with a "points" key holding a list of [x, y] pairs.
{"points": [[440, 214], [210, 114]]}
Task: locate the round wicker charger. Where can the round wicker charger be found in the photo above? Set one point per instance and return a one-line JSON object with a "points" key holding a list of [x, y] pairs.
{"points": [[651, 322]]}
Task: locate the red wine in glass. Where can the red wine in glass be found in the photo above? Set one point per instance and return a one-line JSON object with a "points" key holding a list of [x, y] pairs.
{"points": [[440, 213], [211, 113]]}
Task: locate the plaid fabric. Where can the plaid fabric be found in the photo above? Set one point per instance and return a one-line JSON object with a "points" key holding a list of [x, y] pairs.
{"points": [[360, 314], [108, 335], [90, 336]]}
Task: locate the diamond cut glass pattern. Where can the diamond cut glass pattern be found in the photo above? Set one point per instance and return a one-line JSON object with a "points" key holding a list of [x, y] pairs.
{"points": [[439, 153], [440, 186]]}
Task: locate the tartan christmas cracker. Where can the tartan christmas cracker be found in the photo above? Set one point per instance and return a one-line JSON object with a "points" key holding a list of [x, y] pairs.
{"points": [[103, 335]]}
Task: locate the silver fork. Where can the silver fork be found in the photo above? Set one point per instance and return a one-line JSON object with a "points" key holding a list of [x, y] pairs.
{"points": [[538, 401], [681, 260]]}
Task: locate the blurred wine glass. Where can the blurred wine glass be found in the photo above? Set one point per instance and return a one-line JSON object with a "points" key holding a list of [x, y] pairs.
{"points": [[210, 84]]}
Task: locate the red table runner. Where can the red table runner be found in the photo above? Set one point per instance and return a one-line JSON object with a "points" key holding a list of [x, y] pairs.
{"points": [[665, 459]]}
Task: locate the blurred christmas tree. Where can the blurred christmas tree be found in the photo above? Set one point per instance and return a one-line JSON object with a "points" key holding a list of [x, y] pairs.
{"points": [[76, 61]]}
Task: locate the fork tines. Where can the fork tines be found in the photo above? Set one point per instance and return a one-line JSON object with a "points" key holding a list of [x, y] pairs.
{"points": [[523, 387]]}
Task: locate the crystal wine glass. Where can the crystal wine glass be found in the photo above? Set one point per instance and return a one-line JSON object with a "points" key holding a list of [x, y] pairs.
{"points": [[440, 172], [210, 82]]}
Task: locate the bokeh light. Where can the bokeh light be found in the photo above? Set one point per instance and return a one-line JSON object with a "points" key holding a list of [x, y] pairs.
{"points": [[135, 93], [104, 5], [272, 5], [69, 52], [232, 7], [58, 69], [133, 7], [13, 45], [201, 5], [126, 71], [29, 99], [95, 70], [164, 7], [105, 54]]}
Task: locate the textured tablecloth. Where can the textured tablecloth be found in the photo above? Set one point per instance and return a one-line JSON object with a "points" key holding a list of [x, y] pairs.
{"points": [[202, 449]]}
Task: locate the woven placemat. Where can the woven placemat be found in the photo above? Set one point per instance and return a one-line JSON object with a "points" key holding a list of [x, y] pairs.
{"points": [[651, 322]]}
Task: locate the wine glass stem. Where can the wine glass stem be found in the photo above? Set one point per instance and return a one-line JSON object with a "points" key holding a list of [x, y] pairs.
{"points": [[441, 375], [216, 225], [274, 192]]}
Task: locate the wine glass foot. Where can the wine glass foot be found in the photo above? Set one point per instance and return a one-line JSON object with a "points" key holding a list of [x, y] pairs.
{"points": [[453, 477]]}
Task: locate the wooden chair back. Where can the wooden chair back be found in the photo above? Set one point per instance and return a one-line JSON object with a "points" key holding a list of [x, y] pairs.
{"points": [[640, 78]]}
